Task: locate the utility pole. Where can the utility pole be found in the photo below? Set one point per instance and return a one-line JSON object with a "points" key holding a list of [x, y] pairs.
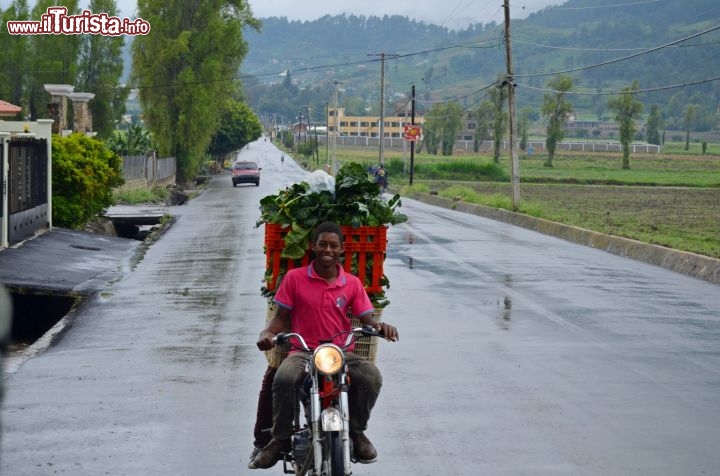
{"points": [[307, 112], [300, 127], [336, 130], [412, 143], [382, 109], [317, 147], [382, 106], [510, 83], [327, 133]]}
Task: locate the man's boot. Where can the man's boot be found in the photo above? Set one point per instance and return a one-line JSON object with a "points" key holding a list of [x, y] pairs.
{"points": [[363, 449], [271, 454]]}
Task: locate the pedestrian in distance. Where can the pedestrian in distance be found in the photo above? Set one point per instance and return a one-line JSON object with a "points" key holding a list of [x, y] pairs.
{"points": [[381, 178]]}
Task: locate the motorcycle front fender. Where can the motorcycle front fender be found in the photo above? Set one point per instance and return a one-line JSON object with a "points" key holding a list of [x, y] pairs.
{"points": [[332, 419]]}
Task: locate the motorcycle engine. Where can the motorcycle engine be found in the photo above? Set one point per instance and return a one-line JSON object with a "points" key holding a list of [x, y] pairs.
{"points": [[301, 443]]}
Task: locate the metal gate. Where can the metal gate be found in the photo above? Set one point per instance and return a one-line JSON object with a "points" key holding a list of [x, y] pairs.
{"points": [[2, 192], [27, 187]]}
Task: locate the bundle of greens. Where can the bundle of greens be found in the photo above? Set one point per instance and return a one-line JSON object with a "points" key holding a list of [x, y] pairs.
{"points": [[357, 202]]}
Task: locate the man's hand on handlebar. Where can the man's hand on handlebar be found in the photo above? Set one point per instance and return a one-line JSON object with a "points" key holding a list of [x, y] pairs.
{"points": [[389, 332], [266, 341]]}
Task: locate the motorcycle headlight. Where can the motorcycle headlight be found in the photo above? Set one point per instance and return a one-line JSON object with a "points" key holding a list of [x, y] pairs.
{"points": [[328, 359]]}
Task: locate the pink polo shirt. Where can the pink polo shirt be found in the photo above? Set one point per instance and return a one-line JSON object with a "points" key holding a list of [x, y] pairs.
{"points": [[318, 310]]}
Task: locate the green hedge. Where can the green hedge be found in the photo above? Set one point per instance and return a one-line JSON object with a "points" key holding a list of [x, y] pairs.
{"points": [[84, 172]]}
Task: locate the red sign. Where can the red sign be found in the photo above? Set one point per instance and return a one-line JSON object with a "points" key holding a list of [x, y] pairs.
{"points": [[411, 132]]}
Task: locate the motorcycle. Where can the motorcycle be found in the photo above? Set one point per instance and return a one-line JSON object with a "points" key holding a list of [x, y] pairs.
{"points": [[322, 445]]}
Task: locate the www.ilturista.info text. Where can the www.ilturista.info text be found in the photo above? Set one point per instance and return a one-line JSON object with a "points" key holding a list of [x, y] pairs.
{"points": [[57, 22]]}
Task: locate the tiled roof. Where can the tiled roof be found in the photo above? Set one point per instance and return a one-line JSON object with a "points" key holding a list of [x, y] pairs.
{"points": [[7, 109]]}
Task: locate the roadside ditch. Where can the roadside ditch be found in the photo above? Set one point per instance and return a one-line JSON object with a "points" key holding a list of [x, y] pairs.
{"points": [[41, 313]]}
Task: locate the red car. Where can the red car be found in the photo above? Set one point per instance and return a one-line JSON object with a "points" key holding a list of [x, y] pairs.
{"points": [[245, 172]]}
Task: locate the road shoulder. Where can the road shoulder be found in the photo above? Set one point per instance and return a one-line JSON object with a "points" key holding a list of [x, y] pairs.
{"points": [[690, 264]]}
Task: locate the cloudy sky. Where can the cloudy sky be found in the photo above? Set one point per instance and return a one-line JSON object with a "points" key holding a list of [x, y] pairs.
{"points": [[450, 13]]}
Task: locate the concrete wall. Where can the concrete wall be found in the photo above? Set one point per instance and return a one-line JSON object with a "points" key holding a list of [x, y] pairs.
{"points": [[691, 264]]}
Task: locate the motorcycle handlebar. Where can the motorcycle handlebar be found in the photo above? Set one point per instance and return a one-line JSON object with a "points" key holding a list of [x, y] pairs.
{"points": [[284, 337], [369, 331]]}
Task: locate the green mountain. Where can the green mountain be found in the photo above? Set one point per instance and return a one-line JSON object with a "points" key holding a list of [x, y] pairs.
{"points": [[602, 44]]}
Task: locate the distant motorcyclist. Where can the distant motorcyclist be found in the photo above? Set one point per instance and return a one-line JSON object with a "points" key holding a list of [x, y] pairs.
{"points": [[381, 178]]}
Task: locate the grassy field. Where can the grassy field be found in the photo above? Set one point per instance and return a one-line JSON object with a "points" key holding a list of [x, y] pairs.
{"points": [[669, 170], [142, 195], [669, 199], [677, 217]]}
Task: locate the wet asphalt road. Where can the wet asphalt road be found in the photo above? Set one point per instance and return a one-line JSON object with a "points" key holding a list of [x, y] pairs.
{"points": [[520, 354]]}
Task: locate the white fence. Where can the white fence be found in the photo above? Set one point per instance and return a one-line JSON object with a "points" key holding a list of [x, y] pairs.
{"points": [[539, 146], [142, 171], [467, 145]]}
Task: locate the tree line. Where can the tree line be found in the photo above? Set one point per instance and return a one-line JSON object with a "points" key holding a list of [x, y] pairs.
{"points": [[444, 121], [91, 63], [446, 64], [185, 72]]}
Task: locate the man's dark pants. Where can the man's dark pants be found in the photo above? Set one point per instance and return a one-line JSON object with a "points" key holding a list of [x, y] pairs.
{"points": [[365, 384]]}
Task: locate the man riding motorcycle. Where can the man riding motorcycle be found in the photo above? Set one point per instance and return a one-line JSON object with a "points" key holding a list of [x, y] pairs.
{"points": [[313, 300]]}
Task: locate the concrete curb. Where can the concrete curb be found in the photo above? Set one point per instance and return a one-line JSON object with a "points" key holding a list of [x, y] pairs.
{"points": [[691, 264]]}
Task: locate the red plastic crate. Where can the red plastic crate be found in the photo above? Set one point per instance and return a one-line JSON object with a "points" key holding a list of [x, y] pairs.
{"points": [[361, 244]]}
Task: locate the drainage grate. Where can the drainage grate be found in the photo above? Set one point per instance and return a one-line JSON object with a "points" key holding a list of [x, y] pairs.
{"points": [[35, 313], [89, 248]]}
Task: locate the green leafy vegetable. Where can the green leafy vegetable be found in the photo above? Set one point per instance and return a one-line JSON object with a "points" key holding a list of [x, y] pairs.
{"points": [[357, 203]]}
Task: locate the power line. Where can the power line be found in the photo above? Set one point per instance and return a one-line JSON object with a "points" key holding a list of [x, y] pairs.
{"points": [[617, 5], [462, 4], [575, 48], [462, 45], [612, 93], [469, 45], [459, 97], [416, 53], [617, 60], [321, 67], [466, 5], [469, 107]]}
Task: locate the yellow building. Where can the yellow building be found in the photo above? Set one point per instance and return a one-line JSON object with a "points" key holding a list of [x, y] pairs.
{"points": [[367, 126]]}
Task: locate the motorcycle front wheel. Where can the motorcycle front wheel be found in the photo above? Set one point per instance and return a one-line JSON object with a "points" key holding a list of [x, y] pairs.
{"points": [[333, 445], [302, 467]]}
